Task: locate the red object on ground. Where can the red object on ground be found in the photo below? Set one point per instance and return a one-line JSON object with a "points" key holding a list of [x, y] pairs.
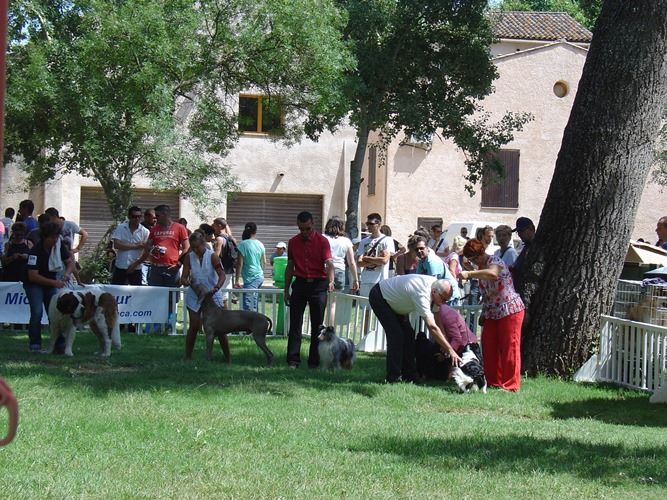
{"points": [[7, 399]]}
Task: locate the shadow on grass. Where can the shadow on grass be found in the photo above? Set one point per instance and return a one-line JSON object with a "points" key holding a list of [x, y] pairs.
{"points": [[611, 464], [633, 409], [149, 363]]}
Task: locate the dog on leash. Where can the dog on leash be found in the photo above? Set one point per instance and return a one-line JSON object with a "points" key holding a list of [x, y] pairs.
{"points": [[469, 375], [335, 352], [72, 309], [218, 321]]}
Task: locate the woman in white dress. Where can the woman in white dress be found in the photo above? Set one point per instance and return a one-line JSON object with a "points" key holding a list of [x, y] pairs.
{"points": [[201, 267]]}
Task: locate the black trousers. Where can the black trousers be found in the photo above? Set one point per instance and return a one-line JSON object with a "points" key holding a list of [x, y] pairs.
{"points": [[314, 294], [122, 277], [163, 276], [400, 338]]}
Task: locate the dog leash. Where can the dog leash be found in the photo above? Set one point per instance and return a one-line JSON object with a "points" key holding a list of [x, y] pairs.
{"points": [[8, 400]]}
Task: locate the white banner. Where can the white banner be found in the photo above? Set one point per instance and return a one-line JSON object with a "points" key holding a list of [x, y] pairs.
{"points": [[136, 304]]}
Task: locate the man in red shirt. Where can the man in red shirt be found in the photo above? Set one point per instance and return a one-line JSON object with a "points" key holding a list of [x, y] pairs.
{"points": [[167, 241], [311, 265]]}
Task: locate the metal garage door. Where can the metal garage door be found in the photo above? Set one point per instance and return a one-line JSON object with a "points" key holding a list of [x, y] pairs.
{"points": [[274, 214], [95, 216]]}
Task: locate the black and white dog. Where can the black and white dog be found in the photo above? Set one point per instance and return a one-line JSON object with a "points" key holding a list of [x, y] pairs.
{"points": [[432, 364], [335, 353], [469, 375]]}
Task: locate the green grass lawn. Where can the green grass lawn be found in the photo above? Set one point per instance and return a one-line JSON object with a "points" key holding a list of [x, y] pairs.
{"points": [[147, 424]]}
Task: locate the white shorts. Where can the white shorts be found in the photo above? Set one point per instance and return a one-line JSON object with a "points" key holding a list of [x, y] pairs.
{"points": [[192, 302], [227, 285]]}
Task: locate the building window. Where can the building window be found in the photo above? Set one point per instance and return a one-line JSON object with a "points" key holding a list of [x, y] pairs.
{"points": [[260, 115], [372, 169], [428, 222], [561, 89], [501, 190]]}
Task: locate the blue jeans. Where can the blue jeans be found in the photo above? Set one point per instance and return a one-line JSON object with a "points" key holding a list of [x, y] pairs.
{"points": [[250, 299], [38, 296]]}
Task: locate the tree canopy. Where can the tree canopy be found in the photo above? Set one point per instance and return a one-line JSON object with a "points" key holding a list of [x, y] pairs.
{"points": [[114, 89], [423, 66]]}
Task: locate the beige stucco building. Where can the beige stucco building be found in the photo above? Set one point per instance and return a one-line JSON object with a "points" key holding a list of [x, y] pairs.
{"points": [[539, 56]]}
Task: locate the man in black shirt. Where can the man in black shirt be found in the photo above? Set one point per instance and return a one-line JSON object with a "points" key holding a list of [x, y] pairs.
{"points": [[525, 229], [40, 282]]}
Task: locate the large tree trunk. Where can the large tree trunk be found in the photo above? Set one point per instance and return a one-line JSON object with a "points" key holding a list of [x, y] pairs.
{"points": [[572, 267], [352, 212]]}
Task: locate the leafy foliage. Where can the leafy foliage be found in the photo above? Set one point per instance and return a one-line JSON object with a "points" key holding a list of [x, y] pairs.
{"points": [[423, 66], [114, 89], [585, 12]]}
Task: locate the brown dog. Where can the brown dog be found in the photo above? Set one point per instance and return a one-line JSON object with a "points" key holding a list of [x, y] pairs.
{"points": [[217, 321], [70, 310]]}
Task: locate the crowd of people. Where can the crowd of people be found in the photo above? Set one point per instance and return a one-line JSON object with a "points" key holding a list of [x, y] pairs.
{"points": [[429, 276]]}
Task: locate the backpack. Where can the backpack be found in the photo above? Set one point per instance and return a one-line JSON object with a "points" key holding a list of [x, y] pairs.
{"points": [[228, 255]]}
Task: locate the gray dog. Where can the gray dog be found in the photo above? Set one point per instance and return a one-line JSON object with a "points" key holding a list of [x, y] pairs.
{"points": [[218, 321]]}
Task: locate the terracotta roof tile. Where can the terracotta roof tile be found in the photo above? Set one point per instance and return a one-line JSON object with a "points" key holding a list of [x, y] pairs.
{"points": [[547, 26]]}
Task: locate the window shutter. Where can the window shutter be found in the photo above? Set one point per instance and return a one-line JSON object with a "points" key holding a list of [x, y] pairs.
{"points": [[428, 222], [372, 169], [502, 191]]}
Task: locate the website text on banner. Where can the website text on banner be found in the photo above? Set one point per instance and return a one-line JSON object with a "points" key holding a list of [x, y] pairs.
{"points": [[136, 304]]}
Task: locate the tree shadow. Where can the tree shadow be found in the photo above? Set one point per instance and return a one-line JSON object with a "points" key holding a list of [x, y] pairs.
{"points": [[150, 363], [633, 409], [518, 453]]}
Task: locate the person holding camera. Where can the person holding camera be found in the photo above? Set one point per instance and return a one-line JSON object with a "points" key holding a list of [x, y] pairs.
{"points": [[167, 241]]}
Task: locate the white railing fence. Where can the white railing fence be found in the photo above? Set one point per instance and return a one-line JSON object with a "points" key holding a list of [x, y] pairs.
{"points": [[355, 320], [352, 315], [632, 354], [269, 303]]}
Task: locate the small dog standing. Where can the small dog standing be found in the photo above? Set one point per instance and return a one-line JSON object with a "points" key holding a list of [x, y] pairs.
{"points": [[217, 321], [70, 310], [335, 352]]}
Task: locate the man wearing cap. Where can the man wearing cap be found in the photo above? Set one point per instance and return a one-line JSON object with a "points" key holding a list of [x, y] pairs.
{"points": [[281, 250], [525, 229], [392, 301]]}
